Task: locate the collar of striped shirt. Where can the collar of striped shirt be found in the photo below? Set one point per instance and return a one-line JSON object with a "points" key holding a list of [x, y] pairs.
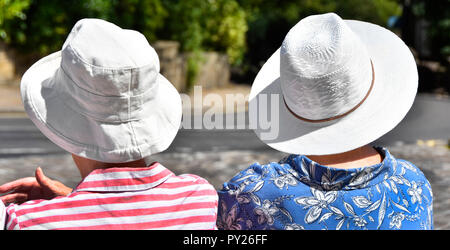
{"points": [[124, 179]]}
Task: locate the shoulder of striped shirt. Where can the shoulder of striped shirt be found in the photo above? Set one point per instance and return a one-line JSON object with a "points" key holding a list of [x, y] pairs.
{"points": [[189, 180], [178, 184], [184, 179], [193, 177]]}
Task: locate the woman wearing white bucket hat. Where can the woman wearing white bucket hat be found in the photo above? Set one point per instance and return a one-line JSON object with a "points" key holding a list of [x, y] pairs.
{"points": [[336, 86], [102, 99]]}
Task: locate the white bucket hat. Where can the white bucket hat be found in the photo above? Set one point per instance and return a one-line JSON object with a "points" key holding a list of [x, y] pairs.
{"points": [[341, 84], [101, 96]]}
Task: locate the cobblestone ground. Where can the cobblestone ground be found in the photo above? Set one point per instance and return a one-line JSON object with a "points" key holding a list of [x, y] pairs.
{"points": [[217, 167]]}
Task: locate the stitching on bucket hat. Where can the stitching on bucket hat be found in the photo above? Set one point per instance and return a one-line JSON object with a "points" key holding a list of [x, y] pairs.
{"points": [[130, 70]]}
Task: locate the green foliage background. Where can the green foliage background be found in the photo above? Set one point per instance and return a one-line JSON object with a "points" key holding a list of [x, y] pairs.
{"points": [[11, 11], [248, 31], [42, 25]]}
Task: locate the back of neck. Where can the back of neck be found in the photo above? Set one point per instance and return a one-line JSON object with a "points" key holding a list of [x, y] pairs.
{"points": [[360, 157]]}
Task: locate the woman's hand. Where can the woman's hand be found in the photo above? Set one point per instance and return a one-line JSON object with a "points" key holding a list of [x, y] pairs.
{"points": [[32, 188]]}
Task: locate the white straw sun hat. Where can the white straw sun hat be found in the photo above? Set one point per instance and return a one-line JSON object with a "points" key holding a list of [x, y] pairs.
{"points": [[101, 96], [341, 84]]}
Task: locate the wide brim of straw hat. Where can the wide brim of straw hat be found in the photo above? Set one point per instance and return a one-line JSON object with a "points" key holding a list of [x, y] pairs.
{"points": [[393, 93], [85, 136]]}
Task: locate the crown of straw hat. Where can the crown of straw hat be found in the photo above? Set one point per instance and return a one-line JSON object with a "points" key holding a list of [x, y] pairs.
{"points": [[341, 83], [325, 69], [101, 96]]}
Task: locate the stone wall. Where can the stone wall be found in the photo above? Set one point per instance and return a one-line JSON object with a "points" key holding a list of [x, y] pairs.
{"points": [[13, 64], [172, 65], [214, 69], [7, 67]]}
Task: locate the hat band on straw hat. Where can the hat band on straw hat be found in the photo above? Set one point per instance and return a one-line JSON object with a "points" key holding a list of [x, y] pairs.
{"points": [[338, 116]]}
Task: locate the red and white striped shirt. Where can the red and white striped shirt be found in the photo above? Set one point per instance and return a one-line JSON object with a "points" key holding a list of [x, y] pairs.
{"points": [[124, 198]]}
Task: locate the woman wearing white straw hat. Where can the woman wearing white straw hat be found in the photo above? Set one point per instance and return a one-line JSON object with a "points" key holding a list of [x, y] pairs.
{"points": [[102, 99], [335, 86]]}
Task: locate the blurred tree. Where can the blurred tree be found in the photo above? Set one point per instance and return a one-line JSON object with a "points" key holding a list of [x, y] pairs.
{"points": [[248, 31], [227, 28], [207, 25], [197, 24], [11, 11], [186, 22], [48, 22], [147, 16], [218, 25]]}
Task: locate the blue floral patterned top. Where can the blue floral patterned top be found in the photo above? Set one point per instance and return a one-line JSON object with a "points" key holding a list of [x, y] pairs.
{"points": [[297, 193]]}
